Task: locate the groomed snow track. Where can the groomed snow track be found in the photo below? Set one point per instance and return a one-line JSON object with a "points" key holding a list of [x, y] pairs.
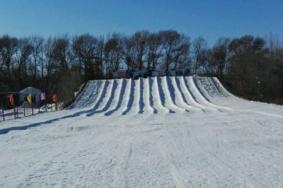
{"points": [[150, 95]]}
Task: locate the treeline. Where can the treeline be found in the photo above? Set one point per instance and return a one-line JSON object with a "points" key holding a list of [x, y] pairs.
{"points": [[249, 66]]}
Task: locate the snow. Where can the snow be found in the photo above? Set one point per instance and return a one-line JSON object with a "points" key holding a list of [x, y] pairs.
{"points": [[120, 133]]}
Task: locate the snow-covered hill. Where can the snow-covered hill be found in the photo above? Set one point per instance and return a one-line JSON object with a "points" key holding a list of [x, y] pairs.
{"points": [[150, 132]]}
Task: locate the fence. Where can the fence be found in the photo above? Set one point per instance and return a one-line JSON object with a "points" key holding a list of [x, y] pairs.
{"points": [[14, 105]]}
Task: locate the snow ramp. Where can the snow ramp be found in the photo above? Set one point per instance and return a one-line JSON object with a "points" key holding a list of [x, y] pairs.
{"points": [[151, 95]]}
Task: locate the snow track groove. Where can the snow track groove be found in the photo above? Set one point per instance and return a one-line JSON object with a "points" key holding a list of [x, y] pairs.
{"points": [[129, 97], [154, 95], [204, 93], [191, 100], [119, 97], [159, 97], [169, 95], [199, 96], [180, 99], [106, 98], [149, 96]]}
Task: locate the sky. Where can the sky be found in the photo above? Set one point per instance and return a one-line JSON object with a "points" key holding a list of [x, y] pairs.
{"points": [[210, 19]]}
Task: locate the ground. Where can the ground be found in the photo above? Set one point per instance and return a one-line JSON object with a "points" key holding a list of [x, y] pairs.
{"points": [[128, 135]]}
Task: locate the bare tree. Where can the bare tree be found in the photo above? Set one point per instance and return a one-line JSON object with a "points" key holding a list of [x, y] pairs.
{"points": [[154, 51], [37, 44], [199, 54], [140, 45], [60, 53], [84, 48], [8, 48], [22, 56], [169, 41], [113, 54], [219, 56], [180, 53]]}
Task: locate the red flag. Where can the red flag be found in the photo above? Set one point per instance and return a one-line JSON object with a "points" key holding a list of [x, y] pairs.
{"points": [[54, 98], [11, 99]]}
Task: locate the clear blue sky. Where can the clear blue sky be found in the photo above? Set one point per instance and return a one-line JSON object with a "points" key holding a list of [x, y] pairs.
{"points": [[208, 18]]}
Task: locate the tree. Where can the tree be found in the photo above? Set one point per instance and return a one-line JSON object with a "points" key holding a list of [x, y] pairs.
{"points": [[84, 48], [113, 54], [247, 64], [219, 56], [129, 54], [23, 55], [60, 54], [140, 45], [154, 51], [169, 41], [37, 44], [180, 54], [200, 54], [8, 48]]}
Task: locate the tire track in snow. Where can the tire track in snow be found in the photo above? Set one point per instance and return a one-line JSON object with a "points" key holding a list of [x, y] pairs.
{"points": [[178, 179], [222, 166], [127, 161]]}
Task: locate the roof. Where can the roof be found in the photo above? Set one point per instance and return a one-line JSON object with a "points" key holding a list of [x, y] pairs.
{"points": [[30, 90]]}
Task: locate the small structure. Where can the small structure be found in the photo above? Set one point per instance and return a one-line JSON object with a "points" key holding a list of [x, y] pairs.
{"points": [[36, 94]]}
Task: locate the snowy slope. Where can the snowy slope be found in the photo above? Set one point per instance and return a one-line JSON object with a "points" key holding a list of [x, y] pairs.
{"points": [[149, 95], [151, 132]]}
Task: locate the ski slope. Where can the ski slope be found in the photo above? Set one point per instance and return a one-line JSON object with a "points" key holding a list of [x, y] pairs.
{"points": [[150, 132]]}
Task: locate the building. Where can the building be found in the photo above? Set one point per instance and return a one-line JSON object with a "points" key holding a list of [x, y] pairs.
{"points": [[36, 94]]}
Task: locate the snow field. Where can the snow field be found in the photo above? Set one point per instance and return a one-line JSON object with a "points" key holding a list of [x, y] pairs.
{"points": [[183, 132]]}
